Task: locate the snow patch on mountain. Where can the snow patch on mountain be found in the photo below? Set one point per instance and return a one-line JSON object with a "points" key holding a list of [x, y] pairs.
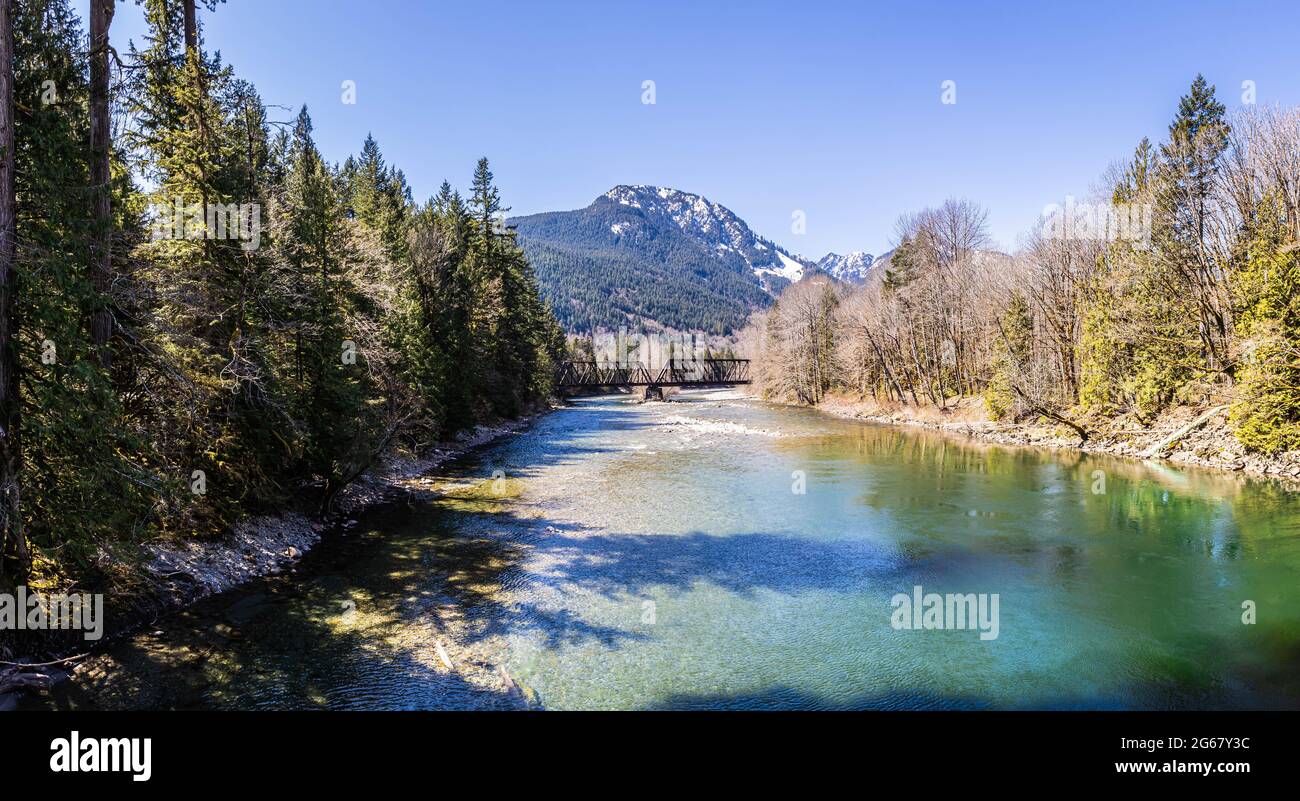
{"points": [[726, 234], [791, 270], [852, 267], [711, 224]]}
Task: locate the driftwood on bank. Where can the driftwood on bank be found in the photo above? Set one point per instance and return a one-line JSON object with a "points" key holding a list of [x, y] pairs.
{"points": [[30, 675], [1033, 403], [1043, 410], [1164, 444], [13, 678]]}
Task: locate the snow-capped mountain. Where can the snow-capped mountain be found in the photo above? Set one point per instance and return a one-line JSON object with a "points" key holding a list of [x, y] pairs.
{"points": [[850, 268], [654, 255], [710, 223]]}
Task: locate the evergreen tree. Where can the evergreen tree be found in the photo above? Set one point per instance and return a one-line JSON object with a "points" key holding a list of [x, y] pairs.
{"points": [[1185, 259], [378, 196], [1266, 415], [1015, 335], [84, 480], [903, 264], [248, 362], [202, 134], [331, 393]]}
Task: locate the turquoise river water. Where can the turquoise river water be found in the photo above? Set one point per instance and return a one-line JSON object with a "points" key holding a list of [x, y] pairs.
{"points": [[715, 552]]}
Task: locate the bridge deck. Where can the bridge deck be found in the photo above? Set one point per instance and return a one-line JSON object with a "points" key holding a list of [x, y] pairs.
{"points": [[696, 373]]}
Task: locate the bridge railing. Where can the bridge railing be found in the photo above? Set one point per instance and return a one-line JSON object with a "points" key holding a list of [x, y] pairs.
{"points": [[709, 371], [678, 372]]}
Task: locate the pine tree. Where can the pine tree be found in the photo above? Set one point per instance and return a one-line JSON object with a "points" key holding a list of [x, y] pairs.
{"points": [[332, 391], [525, 340], [1015, 342], [378, 197], [84, 481], [1186, 263], [211, 298], [903, 265], [263, 364], [447, 306], [490, 258]]}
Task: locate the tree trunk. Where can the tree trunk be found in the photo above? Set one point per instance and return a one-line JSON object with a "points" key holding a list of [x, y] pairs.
{"points": [[14, 559], [884, 365], [191, 28], [198, 110], [101, 323]]}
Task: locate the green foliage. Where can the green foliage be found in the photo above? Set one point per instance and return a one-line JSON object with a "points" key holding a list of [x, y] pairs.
{"points": [[1145, 335], [1016, 332], [1136, 349], [83, 484], [1102, 359], [378, 197], [1266, 416], [514, 327], [904, 264], [330, 390], [279, 360]]}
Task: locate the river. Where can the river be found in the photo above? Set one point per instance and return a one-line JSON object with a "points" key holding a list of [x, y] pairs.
{"points": [[715, 552]]}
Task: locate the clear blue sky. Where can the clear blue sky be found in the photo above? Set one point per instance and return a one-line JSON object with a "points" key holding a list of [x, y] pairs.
{"points": [[764, 107]]}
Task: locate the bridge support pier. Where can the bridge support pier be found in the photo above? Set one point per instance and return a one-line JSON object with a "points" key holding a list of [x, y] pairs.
{"points": [[654, 392]]}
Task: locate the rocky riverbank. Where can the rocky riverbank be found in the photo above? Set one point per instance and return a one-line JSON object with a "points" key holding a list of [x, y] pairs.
{"points": [[1185, 435], [263, 545], [179, 574]]}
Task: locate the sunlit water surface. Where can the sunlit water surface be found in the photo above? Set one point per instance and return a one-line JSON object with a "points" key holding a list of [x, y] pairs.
{"points": [[721, 553]]}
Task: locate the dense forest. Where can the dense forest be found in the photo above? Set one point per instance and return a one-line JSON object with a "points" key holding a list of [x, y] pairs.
{"points": [[1178, 285], [608, 289], [200, 317]]}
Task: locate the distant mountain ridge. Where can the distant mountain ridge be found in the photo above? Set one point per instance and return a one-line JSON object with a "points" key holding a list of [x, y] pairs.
{"points": [[660, 257], [850, 268], [711, 224]]}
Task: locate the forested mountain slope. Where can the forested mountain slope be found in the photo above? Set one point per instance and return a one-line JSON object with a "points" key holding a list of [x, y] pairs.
{"points": [[652, 255]]}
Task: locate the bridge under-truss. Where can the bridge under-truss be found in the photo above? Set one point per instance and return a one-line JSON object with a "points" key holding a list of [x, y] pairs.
{"points": [[692, 373]]}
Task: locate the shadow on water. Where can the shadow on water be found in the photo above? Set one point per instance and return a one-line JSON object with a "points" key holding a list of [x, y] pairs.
{"points": [[788, 698], [1137, 571], [791, 698], [355, 624]]}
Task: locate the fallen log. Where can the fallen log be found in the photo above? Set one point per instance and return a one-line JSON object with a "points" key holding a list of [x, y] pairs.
{"points": [[15, 679], [1164, 444]]}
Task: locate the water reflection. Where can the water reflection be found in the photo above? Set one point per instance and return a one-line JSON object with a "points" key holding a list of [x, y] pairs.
{"points": [[661, 556]]}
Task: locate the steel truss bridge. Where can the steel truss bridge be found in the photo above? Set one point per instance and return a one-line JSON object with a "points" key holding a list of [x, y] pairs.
{"points": [[692, 373]]}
